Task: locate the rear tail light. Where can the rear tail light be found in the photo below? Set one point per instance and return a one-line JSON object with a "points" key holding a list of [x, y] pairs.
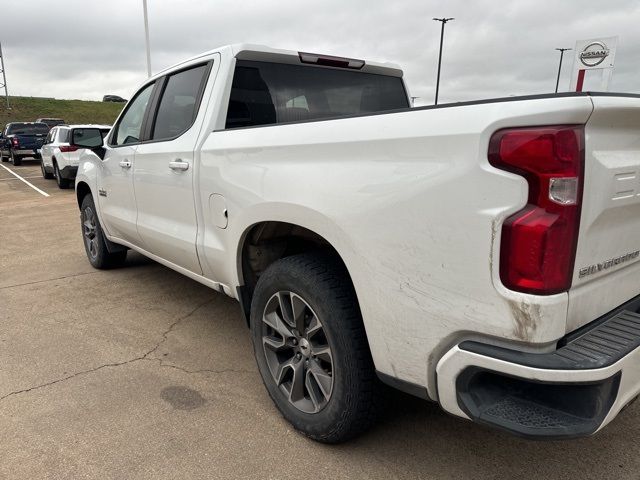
{"points": [[538, 243], [330, 61], [15, 142], [67, 148]]}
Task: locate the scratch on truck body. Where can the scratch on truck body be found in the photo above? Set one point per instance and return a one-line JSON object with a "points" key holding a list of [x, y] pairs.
{"points": [[526, 318]]}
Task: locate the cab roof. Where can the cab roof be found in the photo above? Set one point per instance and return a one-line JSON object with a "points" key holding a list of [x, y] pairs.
{"points": [[263, 53]]}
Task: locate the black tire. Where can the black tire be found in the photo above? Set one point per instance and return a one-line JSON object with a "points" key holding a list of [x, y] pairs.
{"points": [[16, 160], [45, 174], [356, 394], [96, 246], [63, 183]]}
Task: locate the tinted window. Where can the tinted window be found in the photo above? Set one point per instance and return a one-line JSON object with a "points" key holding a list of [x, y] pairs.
{"points": [[27, 129], [49, 138], [129, 128], [265, 93], [63, 135], [87, 137], [179, 103]]}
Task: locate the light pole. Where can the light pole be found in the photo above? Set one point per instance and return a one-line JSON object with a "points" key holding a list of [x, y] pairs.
{"points": [[444, 21], [146, 33], [561, 50], [4, 79]]}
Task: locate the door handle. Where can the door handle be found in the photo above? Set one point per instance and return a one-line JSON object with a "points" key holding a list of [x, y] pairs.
{"points": [[125, 163], [178, 165]]}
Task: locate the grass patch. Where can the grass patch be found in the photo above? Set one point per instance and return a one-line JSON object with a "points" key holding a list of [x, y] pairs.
{"points": [[27, 109]]}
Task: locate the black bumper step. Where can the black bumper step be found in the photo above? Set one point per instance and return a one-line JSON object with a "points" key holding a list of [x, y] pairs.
{"points": [[546, 409], [597, 345]]}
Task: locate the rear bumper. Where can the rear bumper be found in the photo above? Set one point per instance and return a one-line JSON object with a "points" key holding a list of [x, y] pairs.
{"points": [[571, 392], [25, 151]]}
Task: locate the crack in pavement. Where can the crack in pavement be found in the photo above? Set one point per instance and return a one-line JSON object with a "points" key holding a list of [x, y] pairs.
{"points": [[116, 364], [202, 370], [48, 280]]}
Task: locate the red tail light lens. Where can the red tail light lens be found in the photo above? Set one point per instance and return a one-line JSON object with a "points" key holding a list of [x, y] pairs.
{"points": [[67, 148], [539, 242]]}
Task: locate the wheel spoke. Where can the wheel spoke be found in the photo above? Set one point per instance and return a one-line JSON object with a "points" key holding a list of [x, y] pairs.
{"points": [[321, 378], [314, 327], [317, 377], [297, 383], [275, 344], [281, 371], [89, 229], [299, 310], [314, 393], [284, 300], [273, 320], [323, 352]]}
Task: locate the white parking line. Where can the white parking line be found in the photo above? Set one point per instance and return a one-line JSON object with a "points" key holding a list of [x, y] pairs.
{"points": [[14, 179], [41, 192]]}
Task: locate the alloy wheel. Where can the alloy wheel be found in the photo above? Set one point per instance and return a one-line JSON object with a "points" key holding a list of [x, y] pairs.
{"points": [[89, 229], [297, 351]]}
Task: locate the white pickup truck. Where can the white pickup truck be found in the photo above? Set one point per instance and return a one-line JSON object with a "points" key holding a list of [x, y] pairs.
{"points": [[484, 255]]}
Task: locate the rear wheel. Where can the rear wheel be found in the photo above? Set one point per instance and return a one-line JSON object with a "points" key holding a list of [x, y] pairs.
{"points": [[311, 348], [95, 244], [16, 160], [45, 174], [62, 182]]}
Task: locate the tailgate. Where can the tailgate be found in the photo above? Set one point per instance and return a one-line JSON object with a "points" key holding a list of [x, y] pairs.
{"points": [[607, 266], [33, 141]]}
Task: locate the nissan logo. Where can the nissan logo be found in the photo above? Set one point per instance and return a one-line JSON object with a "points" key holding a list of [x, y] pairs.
{"points": [[594, 54]]}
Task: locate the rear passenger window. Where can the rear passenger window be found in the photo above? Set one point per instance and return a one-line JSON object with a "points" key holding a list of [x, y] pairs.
{"points": [[50, 136], [63, 135], [179, 103], [265, 93]]}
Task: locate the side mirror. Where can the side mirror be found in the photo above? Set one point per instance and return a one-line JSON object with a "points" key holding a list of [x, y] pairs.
{"points": [[86, 138]]}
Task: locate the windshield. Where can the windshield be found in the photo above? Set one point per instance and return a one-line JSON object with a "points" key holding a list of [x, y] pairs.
{"points": [[27, 129]]}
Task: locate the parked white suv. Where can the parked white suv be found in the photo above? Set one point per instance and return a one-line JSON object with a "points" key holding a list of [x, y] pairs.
{"points": [[59, 158]]}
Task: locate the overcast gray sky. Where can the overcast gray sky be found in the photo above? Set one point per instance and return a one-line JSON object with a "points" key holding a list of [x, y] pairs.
{"points": [[85, 49]]}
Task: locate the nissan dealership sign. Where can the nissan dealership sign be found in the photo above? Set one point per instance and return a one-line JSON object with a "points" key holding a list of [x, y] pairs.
{"points": [[593, 54]]}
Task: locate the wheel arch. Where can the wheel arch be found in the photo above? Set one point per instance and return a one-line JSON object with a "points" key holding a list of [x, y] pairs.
{"points": [[82, 189], [264, 242]]}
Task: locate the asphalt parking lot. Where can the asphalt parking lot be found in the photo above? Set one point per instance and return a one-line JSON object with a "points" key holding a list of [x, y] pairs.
{"points": [[142, 373]]}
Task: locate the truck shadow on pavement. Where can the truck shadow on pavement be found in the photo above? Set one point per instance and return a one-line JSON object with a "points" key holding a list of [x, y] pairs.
{"points": [[417, 436]]}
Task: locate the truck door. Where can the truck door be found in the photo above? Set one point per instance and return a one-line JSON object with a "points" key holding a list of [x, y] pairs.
{"points": [[115, 188], [164, 167]]}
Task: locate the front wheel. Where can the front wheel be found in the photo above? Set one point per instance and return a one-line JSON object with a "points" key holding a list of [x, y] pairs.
{"points": [[311, 348], [95, 243]]}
